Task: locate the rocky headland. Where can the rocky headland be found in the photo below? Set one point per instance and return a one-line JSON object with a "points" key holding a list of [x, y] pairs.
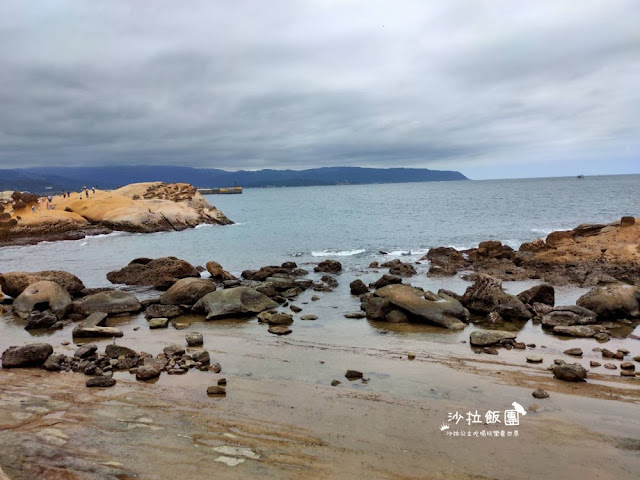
{"points": [[139, 208]]}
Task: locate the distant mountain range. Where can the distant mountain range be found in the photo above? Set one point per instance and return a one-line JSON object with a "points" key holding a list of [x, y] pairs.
{"points": [[43, 179]]}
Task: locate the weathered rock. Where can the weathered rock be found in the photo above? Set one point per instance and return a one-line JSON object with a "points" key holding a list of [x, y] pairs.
{"points": [[570, 373], [610, 366], [594, 364], [160, 273], [353, 374], [279, 329], [385, 280], [37, 319], [613, 302], [278, 318], [444, 261], [218, 390], [201, 356], [163, 311], [627, 366], [85, 351], [218, 273], [447, 312], [194, 339], [534, 359], [111, 302], [568, 316], [148, 372], [117, 351], [402, 269], [355, 314], [627, 222], [101, 381], [486, 295], [358, 287], [14, 283], [31, 355], [576, 352], [329, 280], [544, 294], [295, 308], [540, 393], [43, 295], [238, 301], [335, 383], [396, 316], [155, 323], [173, 350], [495, 249], [482, 338], [328, 266], [187, 291], [581, 331], [54, 362], [308, 316]]}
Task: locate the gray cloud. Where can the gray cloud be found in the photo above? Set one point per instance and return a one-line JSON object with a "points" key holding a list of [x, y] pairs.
{"points": [[251, 84]]}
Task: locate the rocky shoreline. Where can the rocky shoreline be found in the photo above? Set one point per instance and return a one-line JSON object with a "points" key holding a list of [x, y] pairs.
{"points": [[137, 208]]}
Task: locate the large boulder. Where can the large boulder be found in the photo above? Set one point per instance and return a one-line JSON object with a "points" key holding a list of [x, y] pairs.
{"points": [[613, 302], [32, 355], [187, 291], [443, 311], [567, 316], [14, 283], [232, 302], [160, 273], [486, 295], [444, 261], [112, 303], [43, 295], [544, 294], [484, 338]]}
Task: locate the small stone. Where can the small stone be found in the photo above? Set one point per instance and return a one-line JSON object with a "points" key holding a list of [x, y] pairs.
{"points": [[607, 353], [559, 361], [540, 393], [279, 329], [308, 317], [594, 364], [576, 352], [570, 373], [65, 342], [173, 350], [411, 356], [222, 382], [216, 368], [295, 308], [335, 383], [519, 345], [637, 358], [627, 373], [180, 325], [158, 323], [201, 356], [534, 359], [101, 381], [491, 350], [194, 339], [627, 366], [624, 351], [355, 315], [315, 298], [610, 366], [216, 390], [531, 345], [353, 374]]}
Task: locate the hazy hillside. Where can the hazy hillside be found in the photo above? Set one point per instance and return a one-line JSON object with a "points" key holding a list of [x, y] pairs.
{"points": [[39, 178]]}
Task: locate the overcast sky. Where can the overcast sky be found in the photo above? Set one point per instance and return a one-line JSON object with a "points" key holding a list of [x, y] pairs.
{"points": [[491, 88]]}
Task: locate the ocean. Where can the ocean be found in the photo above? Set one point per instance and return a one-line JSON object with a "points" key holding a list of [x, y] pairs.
{"points": [[351, 223]]}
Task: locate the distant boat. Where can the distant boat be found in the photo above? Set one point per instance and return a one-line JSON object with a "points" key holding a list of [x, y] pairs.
{"points": [[580, 177], [221, 191]]}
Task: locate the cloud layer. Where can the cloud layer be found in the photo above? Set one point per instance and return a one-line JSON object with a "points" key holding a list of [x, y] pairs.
{"points": [[290, 84]]}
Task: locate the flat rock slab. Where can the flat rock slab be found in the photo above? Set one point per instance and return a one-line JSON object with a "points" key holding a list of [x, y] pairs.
{"points": [[96, 332], [483, 338]]}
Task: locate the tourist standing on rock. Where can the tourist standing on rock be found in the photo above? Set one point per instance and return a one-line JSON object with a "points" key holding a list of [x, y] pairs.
{"points": [[33, 208], [86, 192], [93, 189]]}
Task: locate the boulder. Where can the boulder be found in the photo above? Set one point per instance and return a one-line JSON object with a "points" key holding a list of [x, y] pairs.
{"points": [[14, 283], [544, 294], [31, 355], [218, 273], [101, 381], [43, 295], [85, 351], [163, 311], [173, 350], [149, 371], [375, 308], [445, 312], [495, 249], [201, 356], [328, 266], [54, 362], [486, 295], [194, 339], [444, 261], [117, 351], [232, 302], [160, 273], [265, 272], [187, 291], [568, 316], [570, 373], [110, 302], [483, 338], [358, 287], [613, 302]]}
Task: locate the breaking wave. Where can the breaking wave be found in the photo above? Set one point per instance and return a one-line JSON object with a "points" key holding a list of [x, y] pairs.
{"points": [[338, 253]]}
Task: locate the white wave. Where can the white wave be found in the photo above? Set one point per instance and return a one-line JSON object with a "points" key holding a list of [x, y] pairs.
{"points": [[338, 253], [405, 253], [105, 235], [544, 231], [84, 243]]}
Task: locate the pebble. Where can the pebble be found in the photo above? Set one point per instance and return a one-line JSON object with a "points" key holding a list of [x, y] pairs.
{"points": [[593, 363], [576, 352], [355, 315], [627, 373], [295, 308], [627, 366], [491, 350], [540, 393], [353, 374], [315, 298], [335, 383], [308, 317], [610, 366], [534, 359], [411, 356], [531, 345], [559, 361], [222, 382], [216, 390]]}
